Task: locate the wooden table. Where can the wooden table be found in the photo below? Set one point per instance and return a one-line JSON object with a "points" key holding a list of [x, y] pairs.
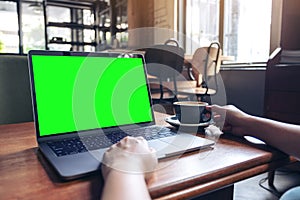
{"points": [[26, 175]]}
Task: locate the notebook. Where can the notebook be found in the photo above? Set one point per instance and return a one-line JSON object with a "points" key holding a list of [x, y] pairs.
{"points": [[84, 102]]}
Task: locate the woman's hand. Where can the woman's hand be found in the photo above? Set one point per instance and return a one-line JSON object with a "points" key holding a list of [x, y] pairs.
{"points": [[230, 119], [130, 155]]}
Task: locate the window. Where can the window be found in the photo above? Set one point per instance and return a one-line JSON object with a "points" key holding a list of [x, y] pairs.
{"points": [[33, 26], [88, 34], [9, 38], [70, 25], [245, 27], [202, 20], [57, 14]]}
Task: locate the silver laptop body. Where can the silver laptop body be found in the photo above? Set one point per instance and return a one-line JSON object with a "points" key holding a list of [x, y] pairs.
{"points": [[84, 102]]}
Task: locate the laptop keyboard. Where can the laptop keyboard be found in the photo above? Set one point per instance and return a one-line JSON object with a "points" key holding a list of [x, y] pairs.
{"points": [[82, 144]]}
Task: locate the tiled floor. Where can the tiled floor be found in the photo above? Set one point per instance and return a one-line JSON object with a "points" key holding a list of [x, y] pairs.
{"points": [[251, 190]]}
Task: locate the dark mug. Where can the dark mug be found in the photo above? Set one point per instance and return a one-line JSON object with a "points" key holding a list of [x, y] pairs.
{"points": [[192, 112]]}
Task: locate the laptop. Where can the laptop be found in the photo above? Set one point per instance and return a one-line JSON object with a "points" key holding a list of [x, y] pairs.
{"points": [[85, 102]]}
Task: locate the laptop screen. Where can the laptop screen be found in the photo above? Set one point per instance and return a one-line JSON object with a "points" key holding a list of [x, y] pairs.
{"points": [[82, 92]]}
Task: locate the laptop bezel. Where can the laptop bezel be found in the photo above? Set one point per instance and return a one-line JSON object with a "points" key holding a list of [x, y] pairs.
{"points": [[85, 54]]}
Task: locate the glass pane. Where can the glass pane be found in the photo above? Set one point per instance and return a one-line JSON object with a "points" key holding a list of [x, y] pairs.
{"points": [[60, 47], [202, 23], [88, 17], [58, 35], [89, 48], [89, 35], [122, 39], [9, 38], [33, 26], [247, 30], [58, 14]]}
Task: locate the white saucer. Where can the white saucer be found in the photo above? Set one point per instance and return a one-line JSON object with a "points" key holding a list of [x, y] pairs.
{"points": [[172, 120]]}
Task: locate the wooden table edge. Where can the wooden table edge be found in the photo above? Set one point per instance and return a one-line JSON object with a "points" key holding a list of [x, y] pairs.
{"points": [[225, 181]]}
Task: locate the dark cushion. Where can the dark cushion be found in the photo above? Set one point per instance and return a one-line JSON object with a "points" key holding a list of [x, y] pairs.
{"points": [[15, 97]]}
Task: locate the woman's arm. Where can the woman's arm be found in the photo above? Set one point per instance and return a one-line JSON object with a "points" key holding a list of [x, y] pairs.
{"points": [[122, 185], [283, 136]]}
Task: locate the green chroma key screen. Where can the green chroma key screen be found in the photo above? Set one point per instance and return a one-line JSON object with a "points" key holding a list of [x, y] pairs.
{"points": [[76, 93]]}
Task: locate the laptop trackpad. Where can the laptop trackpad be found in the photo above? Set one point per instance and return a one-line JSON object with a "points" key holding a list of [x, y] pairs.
{"points": [[178, 144], [163, 148], [188, 141]]}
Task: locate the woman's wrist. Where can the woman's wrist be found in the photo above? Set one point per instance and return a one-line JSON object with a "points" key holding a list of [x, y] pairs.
{"points": [[107, 171], [126, 175]]}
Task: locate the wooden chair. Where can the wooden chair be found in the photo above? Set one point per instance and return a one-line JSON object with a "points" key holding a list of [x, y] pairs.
{"points": [[205, 64], [164, 63]]}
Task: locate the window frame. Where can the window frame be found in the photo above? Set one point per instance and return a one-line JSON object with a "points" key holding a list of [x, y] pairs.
{"points": [[275, 29], [20, 29]]}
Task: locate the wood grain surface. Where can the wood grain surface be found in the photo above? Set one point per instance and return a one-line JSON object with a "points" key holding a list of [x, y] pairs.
{"points": [[25, 174]]}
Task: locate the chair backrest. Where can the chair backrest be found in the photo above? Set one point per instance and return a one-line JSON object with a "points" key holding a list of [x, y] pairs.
{"points": [[201, 56], [15, 97], [207, 60], [165, 62]]}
